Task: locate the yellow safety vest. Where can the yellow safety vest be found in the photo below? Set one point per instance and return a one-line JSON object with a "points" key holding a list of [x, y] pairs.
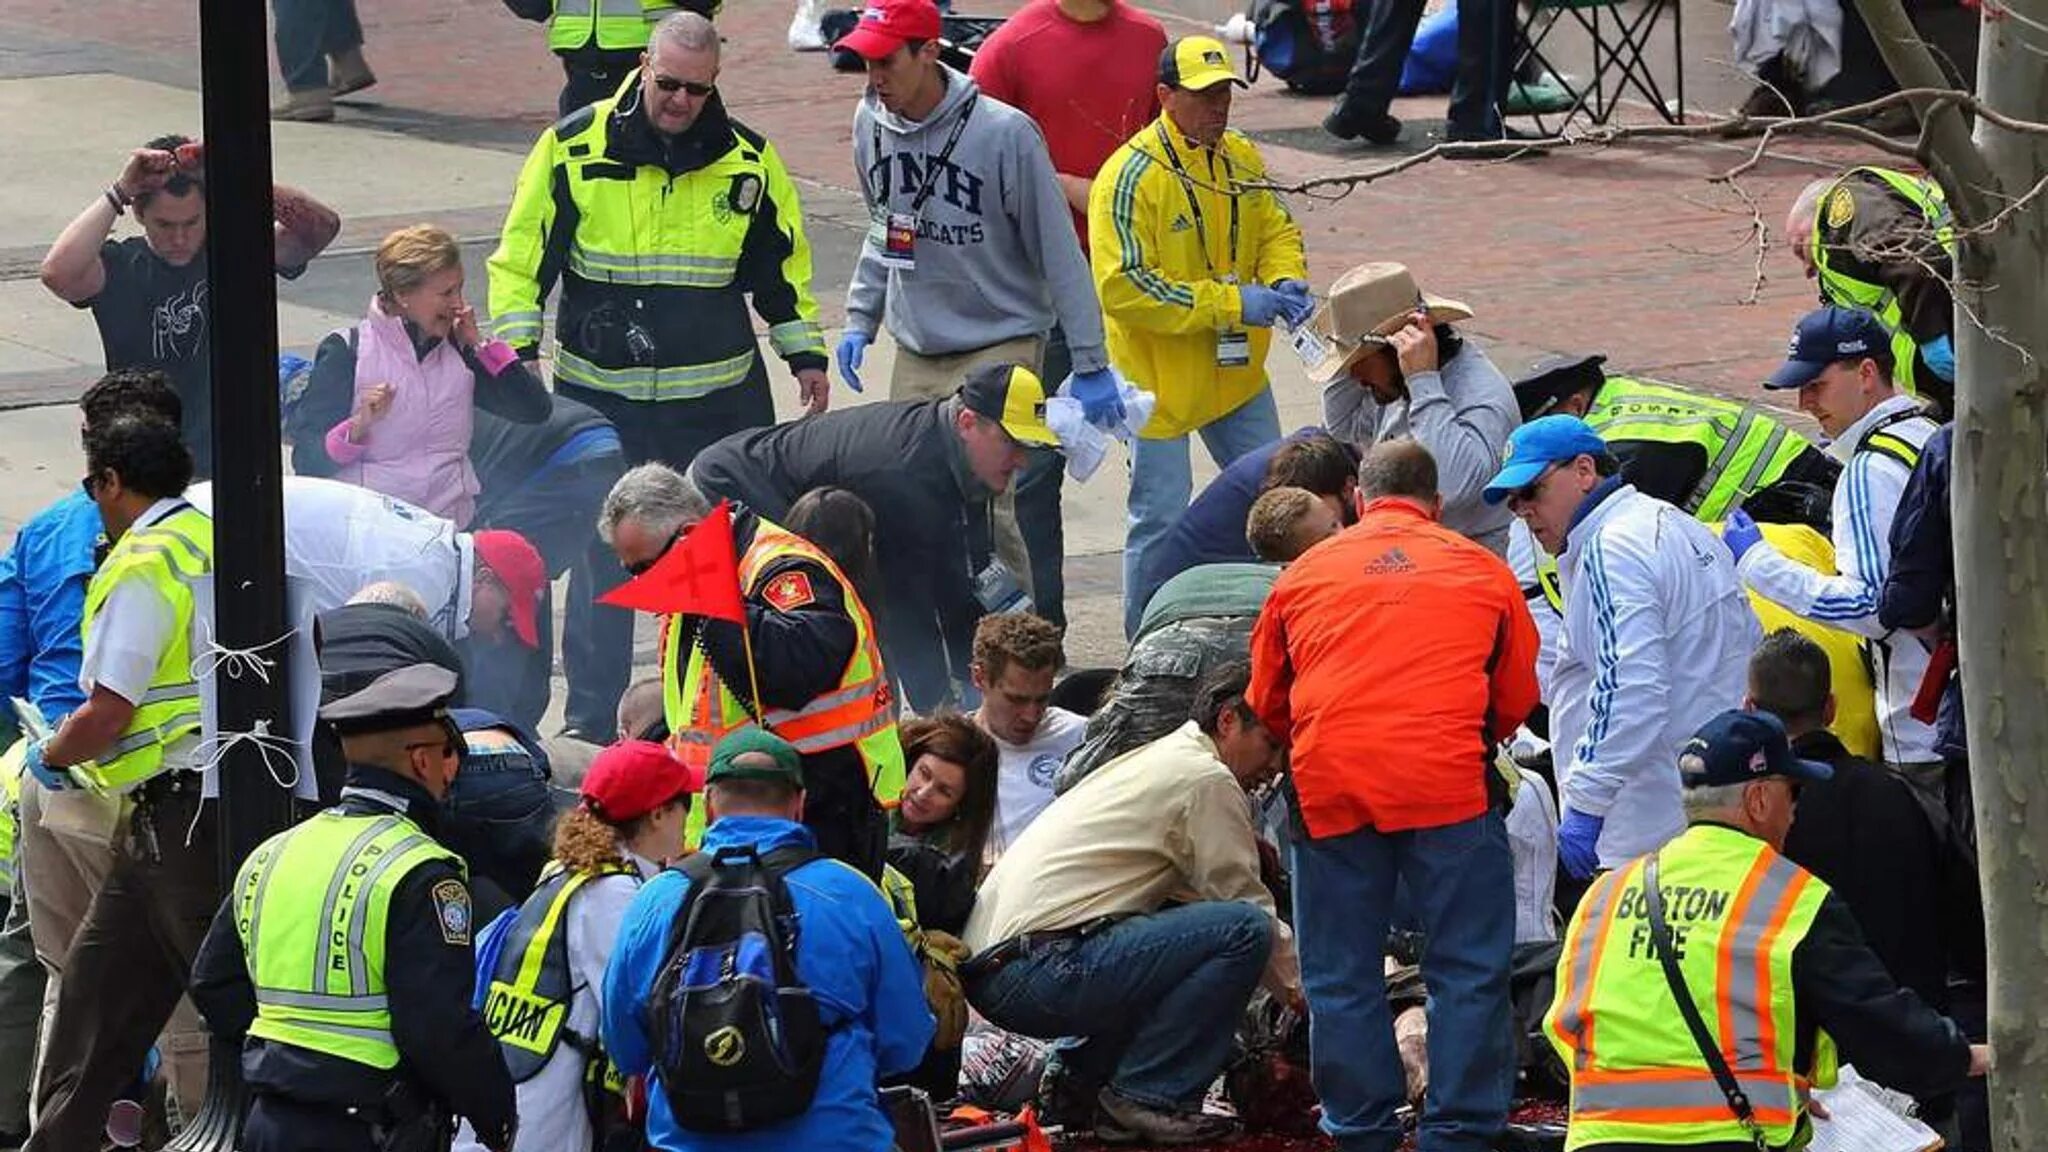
{"points": [[1836, 207], [614, 25], [310, 906], [10, 775], [170, 556], [532, 989], [1737, 911], [1747, 449], [702, 710]]}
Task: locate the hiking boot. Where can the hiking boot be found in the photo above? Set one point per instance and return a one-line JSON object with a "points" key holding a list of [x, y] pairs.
{"points": [[1065, 1101], [312, 105], [1380, 130], [349, 72], [1126, 1121]]}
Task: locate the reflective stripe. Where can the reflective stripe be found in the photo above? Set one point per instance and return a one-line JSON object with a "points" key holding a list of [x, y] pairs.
{"points": [[200, 553], [376, 828], [1664, 420], [358, 965], [678, 382], [163, 692], [1648, 1098], [671, 268], [828, 701], [1754, 478], [1572, 1024], [1726, 456], [571, 8], [379, 1036], [513, 325], [793, 336], [838, 736], [160, 733], [322, 1002]]}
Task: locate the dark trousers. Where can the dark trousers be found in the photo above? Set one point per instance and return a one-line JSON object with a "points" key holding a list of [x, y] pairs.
{"points": [[308, 32], [1038, 503], [840, 810], [592, 78], [276, 1124], [130, 963], [557, 513], [671, 432], [1486, 29]]}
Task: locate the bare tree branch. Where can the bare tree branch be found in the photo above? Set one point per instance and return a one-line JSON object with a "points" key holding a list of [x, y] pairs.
{"points": [[1945, 143]]}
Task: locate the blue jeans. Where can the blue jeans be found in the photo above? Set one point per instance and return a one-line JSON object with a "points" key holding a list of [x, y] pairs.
{"points": [[1459, 882], [1149, 1006], [1162, 481], [308, 32]]}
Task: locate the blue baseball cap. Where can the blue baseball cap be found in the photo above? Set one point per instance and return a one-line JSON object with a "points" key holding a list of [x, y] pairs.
{"points": [[1828, 336], [1536, 446], [1737, 747]]}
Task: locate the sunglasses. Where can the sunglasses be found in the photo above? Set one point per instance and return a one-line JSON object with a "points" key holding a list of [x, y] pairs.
{"points": [[639, 568], [1529, 491], [671, 85], [90, 485], [450, 744]]}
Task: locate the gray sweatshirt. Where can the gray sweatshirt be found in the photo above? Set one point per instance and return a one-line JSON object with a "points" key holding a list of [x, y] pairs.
{"points": [[1462, 413], [996, 254]]}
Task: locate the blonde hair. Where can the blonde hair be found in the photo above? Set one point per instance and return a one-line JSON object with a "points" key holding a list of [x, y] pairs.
{"points": [[1272, 526], [408, 256]]}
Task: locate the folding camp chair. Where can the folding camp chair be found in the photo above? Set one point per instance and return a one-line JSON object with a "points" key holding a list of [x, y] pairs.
{"points": [[1622, 43]]}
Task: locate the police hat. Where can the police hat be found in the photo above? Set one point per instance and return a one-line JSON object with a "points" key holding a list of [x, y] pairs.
{"points": [[1553, 379], [401, 698]]}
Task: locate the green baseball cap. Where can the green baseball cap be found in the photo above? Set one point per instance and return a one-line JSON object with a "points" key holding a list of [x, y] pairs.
{"points": [[786, 767]]}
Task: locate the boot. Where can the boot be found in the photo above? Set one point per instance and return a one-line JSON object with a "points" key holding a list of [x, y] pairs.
{"points": [[1126, 1121], [1347, 124], [349, 72], [312, 105]]}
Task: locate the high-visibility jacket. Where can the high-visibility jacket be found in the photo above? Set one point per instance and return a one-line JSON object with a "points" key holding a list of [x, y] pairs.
{"points": [[1850, 278], [1171, 237], [170, 555], [1737, 911], [702, 709], [608, 25], [1747, 448], [527, 1000], [10, 777], [657, 246], [310, 906]]}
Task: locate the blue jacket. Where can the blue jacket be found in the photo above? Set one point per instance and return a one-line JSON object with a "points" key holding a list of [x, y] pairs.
{"points": [[1211, 530], [869, 988], [42, 603], [1922, 581]]}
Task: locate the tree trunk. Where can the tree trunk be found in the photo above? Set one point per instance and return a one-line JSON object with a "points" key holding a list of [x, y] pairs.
{"points": [[2000, 506]]}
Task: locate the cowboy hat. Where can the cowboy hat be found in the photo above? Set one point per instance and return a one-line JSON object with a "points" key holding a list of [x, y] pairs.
{"points": [[1365, 306]]}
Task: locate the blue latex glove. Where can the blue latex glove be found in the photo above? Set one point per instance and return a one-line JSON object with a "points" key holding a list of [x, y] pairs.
{"points": [[1740, 534], [852, 348], [1099, 397], [1301, 303], [1577, 837], [1260, 305], [53, 778], [1940, 355]]}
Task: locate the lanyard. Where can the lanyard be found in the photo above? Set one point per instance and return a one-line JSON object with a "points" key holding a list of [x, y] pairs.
{"points": [[1187, 185], [931, 164]]}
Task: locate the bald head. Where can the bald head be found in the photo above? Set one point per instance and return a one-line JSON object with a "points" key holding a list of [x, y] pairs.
{"points": [[1401, 468], [1799, 221]]}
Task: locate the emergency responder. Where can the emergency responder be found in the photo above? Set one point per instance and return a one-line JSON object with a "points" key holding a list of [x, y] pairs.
{"points": [[136, 737], [814, 656], [1841, 365], [599, 41], [1708, 922], [1884, 241], [364, 1038], [1702, 453]]}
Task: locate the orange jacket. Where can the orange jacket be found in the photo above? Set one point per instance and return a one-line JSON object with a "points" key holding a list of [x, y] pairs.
{"points": [[1391, 658]]}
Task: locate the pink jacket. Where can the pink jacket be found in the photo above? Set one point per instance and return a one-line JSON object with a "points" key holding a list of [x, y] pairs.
{"points": [[419, 451]]}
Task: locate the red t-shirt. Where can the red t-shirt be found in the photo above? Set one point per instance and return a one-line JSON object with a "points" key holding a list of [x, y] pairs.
{"points": [[1090, 87]]}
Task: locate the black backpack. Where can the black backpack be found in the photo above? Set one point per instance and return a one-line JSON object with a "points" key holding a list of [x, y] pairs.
{"points": [[1309, 44], [738, 1043]]}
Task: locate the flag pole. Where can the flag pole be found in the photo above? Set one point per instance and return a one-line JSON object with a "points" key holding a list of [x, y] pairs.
{"points": [[753, 676]]}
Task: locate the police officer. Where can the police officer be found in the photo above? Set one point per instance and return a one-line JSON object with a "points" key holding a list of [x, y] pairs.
{"points": [[599, 41], [136, 736], [815, 657], [1733, 916], [1884, 241], [1702, 453], [363, 1038]]}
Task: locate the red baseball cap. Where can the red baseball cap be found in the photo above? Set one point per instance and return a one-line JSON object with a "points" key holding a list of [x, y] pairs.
{"points": [[886, 25], [634, 777], [519, 568]]}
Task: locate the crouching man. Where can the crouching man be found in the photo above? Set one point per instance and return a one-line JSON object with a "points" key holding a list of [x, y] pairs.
{"points": [[1129, 921]]}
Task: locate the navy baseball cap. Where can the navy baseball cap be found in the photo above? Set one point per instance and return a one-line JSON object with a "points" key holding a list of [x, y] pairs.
{"points": [[1737, 747], [1828, 336], [1536, 446]]}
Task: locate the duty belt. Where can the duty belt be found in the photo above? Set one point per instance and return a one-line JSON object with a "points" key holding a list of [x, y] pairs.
{"points": [[996, 957]]}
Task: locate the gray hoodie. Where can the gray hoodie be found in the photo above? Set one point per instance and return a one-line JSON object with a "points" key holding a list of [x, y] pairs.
{"points": [[996, 254]]}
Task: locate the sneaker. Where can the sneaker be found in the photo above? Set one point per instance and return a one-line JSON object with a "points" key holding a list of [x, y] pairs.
{"points": [[805, 34], [350, 72], [314, 105], [1126, 1121], [1380, 130]]}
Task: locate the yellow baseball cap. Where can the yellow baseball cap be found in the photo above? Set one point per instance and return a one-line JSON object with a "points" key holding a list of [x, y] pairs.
{"points": [[1196, 63], [1013, 396]]}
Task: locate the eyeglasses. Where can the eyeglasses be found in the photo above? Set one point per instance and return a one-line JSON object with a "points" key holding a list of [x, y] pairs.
{"points": [[450, 744], [671, 85], [639, 568], [1529, 491]]}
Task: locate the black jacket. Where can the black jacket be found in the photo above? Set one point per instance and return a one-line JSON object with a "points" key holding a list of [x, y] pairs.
{"points": [[1670, 472], [506, 453], [429, 974], [1920, 589], [903, 458]]}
